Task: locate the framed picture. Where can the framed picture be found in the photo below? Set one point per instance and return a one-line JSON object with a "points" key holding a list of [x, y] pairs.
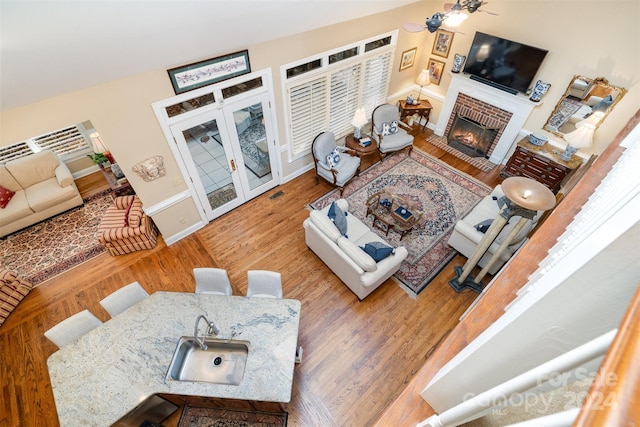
{"points": [[198, 74], [442, 43], [435, 70], [408, 58]]}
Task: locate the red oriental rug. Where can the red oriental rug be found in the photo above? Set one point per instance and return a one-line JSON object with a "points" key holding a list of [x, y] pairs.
{"points": [[440, 191], [57, 244]]}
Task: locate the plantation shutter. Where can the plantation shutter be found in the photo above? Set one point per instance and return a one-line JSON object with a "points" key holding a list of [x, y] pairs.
{"points": [[377, 74], [62, 141], [308, 112], [344, 99], [14, 151]]}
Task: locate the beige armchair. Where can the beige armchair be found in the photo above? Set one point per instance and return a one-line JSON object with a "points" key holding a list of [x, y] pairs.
{"points": [[387, 130]]}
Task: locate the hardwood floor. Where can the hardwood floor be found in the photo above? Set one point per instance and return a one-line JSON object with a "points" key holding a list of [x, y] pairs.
{"points": [[358, 356]]}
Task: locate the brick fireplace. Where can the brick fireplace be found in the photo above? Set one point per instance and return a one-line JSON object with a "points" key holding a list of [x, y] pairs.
{"points": [[488, 105], [475, 126]]}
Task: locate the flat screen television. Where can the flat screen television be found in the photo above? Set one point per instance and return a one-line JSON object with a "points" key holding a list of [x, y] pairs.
{"points": [[502, 63]]}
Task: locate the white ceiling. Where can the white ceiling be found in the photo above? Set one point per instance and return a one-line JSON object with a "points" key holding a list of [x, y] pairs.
{"points": [[48, 48]]}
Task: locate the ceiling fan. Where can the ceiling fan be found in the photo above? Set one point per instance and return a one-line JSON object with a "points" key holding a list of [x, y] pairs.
{"points": [[453, 14]]}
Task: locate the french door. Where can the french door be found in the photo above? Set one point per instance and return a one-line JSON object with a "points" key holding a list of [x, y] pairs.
{"points": [[229, 153]]}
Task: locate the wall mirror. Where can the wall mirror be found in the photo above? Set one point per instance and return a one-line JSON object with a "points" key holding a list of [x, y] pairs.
{"points": [[583, 97]]}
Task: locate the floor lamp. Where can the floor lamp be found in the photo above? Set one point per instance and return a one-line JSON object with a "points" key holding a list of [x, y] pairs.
{"points": [[524, 198]]}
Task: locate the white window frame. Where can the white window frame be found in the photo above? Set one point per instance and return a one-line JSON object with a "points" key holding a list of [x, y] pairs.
{"points": [[66, 148], [298, 148]]}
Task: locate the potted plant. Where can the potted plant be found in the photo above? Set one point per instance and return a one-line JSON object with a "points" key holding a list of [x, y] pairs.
{"points": [[99, 159]]}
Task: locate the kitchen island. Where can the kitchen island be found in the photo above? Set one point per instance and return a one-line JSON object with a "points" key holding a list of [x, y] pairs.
{"points": [[115, 367]]}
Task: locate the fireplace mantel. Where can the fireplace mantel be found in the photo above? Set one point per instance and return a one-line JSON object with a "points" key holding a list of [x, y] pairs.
{"points": [[519, 105]]}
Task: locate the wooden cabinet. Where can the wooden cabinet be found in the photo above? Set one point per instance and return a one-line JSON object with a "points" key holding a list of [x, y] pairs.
{"points": [[541, 163]]}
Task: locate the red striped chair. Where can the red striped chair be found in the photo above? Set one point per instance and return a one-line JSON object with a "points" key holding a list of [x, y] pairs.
{"points": [[12, 290], [125, 228]]}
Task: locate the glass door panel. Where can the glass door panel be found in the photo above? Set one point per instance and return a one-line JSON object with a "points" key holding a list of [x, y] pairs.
{"points": [[210, 161], [253, 131]]}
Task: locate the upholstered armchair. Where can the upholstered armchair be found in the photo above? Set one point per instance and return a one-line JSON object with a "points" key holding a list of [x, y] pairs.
{"points": [[387, 130], [469, 231], [125, 228], [335, 164], [13, 289]]}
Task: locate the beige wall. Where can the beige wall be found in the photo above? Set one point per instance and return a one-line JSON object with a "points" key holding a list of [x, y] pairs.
{"points": [[121, 110]]}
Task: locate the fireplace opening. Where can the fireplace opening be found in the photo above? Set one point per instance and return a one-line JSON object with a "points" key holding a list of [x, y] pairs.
{"points": [[471, 137]]}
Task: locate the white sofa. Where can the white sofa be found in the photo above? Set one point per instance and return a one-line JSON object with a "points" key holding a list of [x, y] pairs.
{"points": [[465, 237], [343, 255], [43, 187]]}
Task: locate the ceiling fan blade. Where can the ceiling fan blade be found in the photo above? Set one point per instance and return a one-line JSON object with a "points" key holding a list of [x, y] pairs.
{"points": [[486, 11], [412, 27]]}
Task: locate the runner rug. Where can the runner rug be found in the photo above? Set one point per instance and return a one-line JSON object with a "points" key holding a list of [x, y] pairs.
{"points": [[440, 191], [57, 244], [214, 417]]}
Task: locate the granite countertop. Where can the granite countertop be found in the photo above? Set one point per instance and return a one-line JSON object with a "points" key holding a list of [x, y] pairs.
{"points": [[115, 367]]}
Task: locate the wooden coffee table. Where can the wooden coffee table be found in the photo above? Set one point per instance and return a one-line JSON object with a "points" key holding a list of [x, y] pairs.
{"points": [[391, 212], [354, 144]]}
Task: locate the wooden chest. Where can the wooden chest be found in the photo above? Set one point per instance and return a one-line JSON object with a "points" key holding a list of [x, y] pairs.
{"points": [[541, 163]]}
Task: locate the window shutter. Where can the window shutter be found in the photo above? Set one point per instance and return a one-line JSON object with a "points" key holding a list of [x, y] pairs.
{"points": [[62, 141], [308, 113], [14, 151], [377, 74], [344, 99]]}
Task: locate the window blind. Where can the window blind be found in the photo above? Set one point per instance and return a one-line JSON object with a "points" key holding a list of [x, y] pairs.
{"points": [[63, 142], [344, 99], [308, 113]]}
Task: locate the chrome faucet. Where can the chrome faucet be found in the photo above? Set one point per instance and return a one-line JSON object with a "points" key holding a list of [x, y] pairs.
{"points": [[212, 329]]}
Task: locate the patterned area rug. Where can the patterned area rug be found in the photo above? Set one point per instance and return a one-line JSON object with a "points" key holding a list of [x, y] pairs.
{"points": [[213, 417], [479, 162], [441, 192], [57, 244]]}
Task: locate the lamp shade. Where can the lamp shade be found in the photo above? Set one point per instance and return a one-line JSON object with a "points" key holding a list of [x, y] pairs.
{"points": [[97, 144], [359, 118], [423, 78], [581, 137]]}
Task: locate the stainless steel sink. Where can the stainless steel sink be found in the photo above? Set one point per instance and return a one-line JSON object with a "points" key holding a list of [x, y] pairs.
{"points": [[222, 362]]}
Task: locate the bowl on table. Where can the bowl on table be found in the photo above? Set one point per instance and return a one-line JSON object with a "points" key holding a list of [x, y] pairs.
{"points": [[537, 139]]}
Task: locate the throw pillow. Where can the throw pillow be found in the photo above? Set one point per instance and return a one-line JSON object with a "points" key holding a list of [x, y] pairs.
{"points": [[389, 128], [377, 250], [333, 158], [483, 226], [339, 218], [5, 196]]}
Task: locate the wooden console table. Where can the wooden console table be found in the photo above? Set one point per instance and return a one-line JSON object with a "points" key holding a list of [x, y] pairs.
{"points": [[122, 189], [541, 163], [423, 109]]}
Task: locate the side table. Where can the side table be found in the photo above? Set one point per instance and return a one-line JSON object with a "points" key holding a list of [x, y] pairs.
{"points": [[119, 189], [354, 144], [423, 109]]}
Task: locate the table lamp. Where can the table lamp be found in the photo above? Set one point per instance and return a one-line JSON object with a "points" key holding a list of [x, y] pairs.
{"points": [[97, 144], [358, 122], [581, 137], [525, 197], [423, 80]]}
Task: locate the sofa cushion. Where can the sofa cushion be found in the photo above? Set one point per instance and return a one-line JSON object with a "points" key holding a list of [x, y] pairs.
{"points": [[34, 168], [333, 158], [324, 224], [5, 196], [338, 217], [377, 250], [16, 210], [48, 193], [357, 255], [7, 180]]}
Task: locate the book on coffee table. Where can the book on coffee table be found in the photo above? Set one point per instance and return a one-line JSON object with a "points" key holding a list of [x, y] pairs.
{"points": [[403, 213], [365, 142]]}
